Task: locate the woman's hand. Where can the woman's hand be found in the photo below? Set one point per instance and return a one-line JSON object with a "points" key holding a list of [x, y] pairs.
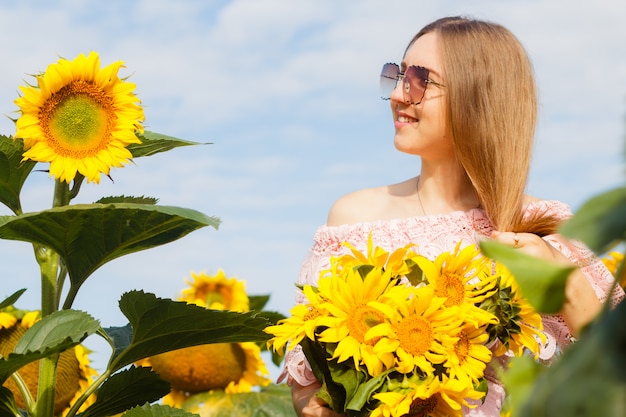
{"points": [[581, 304], [307, 403]]}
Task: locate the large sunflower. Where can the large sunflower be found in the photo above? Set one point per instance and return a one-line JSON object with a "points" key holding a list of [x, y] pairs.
{"points": [[354, 314], [74, 372], [80, 118], [422, 332], [232, 367]]}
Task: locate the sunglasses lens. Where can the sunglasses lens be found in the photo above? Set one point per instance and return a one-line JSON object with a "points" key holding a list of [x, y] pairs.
{"points": [[388, 80], [415, 83]]}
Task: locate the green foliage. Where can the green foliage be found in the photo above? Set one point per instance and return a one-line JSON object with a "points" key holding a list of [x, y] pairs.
{"points": [[160, 325], [126, 389], [12, 299], [600, 222], [272, 401], [541, 282], [76, 240], [13, 172], [148, 410], [87, 236], [589, 378], [53, 334]]}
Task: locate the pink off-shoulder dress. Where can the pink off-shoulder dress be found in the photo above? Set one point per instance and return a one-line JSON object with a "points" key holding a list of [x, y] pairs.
{"points": [[432, 236]]}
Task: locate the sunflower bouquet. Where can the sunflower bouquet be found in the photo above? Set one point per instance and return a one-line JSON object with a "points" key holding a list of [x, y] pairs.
{"points": [[395, 334]]}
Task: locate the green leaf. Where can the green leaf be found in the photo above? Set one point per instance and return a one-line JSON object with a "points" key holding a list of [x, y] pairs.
{"points": [[13, 172], [8, 406], [272, 401], [54, 333], [160, 325], [89, 235], [127, 199], [588, 380], [600, 221], [126, 389], [331, 391], [10, 300], [257, 302], [519, 379], [542, 283], [156, 410], [152, 143]]}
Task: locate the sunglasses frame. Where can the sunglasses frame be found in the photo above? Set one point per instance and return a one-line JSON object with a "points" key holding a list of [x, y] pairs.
{"points": [[414, 78]]}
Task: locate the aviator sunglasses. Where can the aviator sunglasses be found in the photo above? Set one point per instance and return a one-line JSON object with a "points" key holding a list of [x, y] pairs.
{"points": [[414, 82]]}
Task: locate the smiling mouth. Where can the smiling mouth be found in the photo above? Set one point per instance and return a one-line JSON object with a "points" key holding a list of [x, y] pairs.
{"points": [[406, 119]]}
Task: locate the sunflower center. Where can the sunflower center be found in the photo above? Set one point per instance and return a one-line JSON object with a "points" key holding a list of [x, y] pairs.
{"points": [[452, 288], [462, 347], [201, 368], [77, 120], [415, 335], [361, 320], [422, 407]]}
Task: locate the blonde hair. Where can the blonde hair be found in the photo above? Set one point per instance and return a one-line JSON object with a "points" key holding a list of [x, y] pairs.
{"points": [[492, 112]]}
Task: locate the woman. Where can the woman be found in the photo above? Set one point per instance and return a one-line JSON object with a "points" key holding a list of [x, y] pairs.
{"points": [[464, 101]]}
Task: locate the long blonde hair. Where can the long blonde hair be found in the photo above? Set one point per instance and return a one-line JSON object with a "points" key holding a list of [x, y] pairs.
{"points": [[492, 111]]}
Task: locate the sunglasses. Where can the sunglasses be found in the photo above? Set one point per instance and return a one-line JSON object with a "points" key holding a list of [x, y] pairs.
{"points": [[414, 82]]}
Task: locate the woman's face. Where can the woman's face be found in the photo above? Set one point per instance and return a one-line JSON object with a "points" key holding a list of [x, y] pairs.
{"points": [[421, 129]]}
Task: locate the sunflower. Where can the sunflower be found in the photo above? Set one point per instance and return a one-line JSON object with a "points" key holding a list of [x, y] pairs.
{"points": [[232, 367], [354, 312], [397, 263], [459, 276], [80, 118], [302, 321], [428, 398], [470, 356], [519, 325], [217, 292], [421, 331], [74, 373]]}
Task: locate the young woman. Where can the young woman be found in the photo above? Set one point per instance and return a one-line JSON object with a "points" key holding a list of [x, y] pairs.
{"points": [[463, 100]]}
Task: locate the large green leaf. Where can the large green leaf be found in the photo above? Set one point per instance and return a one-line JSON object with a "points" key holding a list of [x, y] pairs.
{"points": [[54, 333], [272, 401], [600, 221], [157, 410], [152, 143], [89, 235], [13, 172], [126, 389], [542, 283], [160, 325]]}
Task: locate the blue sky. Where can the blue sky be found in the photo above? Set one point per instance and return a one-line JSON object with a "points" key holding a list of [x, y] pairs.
{"points": [[287, 92]]}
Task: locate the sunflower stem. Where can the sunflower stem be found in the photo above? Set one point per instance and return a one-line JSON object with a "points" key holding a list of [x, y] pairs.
{"points": [[47, 383], [22, 387], [85, 395]]}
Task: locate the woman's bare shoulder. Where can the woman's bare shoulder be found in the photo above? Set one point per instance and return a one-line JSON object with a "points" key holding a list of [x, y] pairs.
{"points": [[367, 205], [357, 206]]}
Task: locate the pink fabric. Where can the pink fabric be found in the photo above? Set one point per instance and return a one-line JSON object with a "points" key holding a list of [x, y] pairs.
{"points": [[433, 235]]}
